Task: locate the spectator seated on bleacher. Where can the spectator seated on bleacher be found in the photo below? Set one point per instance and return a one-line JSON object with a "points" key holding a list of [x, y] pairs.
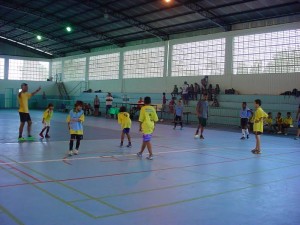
{"points": [[137, 108], [287, 123], [268, 122], [278, 123]]}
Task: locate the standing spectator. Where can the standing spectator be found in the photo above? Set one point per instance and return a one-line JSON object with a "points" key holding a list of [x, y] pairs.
{"points": [[164, 102], [172, 105], [202, 114], [23, 98], [185, 93], [108, 102], [258, 126], [175, 91], [96, 105], [191, 92], [196, 90]]}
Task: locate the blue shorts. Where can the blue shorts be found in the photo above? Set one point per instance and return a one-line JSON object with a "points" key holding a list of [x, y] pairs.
{"points": [[126, 130], [147, 137]]}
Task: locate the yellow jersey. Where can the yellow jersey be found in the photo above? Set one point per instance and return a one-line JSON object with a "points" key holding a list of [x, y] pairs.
{"points": [[269, 121], [148, 117], [288, 121], [259, 115], [23, 98], [124, 120], [47, 115]]}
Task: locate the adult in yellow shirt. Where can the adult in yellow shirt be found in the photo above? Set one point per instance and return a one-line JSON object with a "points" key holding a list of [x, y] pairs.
{"points": [[23, 98], [125, 122], [258, 126], [147, 119]]}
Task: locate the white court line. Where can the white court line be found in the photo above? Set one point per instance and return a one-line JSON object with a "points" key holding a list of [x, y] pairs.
{"points": [[95, 157]]}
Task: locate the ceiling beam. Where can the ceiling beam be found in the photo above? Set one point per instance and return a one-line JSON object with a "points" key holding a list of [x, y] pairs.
{"points": [[213, 18], [50, 37], [43, 15], [130, 20]]}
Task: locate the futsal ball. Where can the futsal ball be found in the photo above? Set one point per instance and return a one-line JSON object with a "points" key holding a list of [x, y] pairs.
{"points": [[196, 136], [161, 120]]}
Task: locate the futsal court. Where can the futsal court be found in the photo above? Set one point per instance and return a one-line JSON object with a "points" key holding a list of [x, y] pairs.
{"points": [[190, 181]]}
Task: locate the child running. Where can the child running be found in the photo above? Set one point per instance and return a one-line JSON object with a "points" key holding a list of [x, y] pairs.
{"points": [[125, 122], [147, 119], [75, 120], [178, 115], [245, 115], [46, 120], [258, 126], [202, 113]]}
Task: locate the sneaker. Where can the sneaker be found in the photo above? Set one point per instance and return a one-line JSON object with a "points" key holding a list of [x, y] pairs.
{"points": [[70, 153], [247, 136], [285, 134], [41, 135], [30, 138], [76, 152], [150, 157], [255, 151], [129, 145], [21, 139], [139, 154], [181, 128], [47, 136], [242, 138], [296, 138], [121, 144], [196, 136], [174, 128], [201, 137], [279, 132]]}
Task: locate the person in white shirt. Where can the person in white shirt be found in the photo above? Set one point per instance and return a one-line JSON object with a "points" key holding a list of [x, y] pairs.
{"points": [[108, 102]]}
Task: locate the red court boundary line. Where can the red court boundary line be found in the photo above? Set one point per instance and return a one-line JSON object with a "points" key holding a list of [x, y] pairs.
{"points": [[26, 174]]}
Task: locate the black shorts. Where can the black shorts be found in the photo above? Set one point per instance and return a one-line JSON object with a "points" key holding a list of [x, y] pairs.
{"points": [[257, 132], [126, 130], [244, 122], [24, 117], [77, 136], [202, 121]]}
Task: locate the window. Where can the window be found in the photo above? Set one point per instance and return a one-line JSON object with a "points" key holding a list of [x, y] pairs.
{"points": [[28, 70], [104, 67], [1, 68], [74, 69], [275, 52], [57, 70], [143, 63], [199, 58]]}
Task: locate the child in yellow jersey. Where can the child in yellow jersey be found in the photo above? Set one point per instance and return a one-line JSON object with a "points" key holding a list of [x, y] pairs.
{"points": [[268, 122], [125, 122], [23, 98], [258, 126], [147, 119], [287, 123], [278, 123], [46, 120], [75, 120]]}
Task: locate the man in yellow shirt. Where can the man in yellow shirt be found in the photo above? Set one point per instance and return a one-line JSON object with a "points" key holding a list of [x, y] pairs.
{"points": [[287, 122], [23, 98], [258, 126], [147, 119]]}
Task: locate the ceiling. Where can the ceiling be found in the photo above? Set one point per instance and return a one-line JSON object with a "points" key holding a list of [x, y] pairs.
{"points": [[98, 23]]}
